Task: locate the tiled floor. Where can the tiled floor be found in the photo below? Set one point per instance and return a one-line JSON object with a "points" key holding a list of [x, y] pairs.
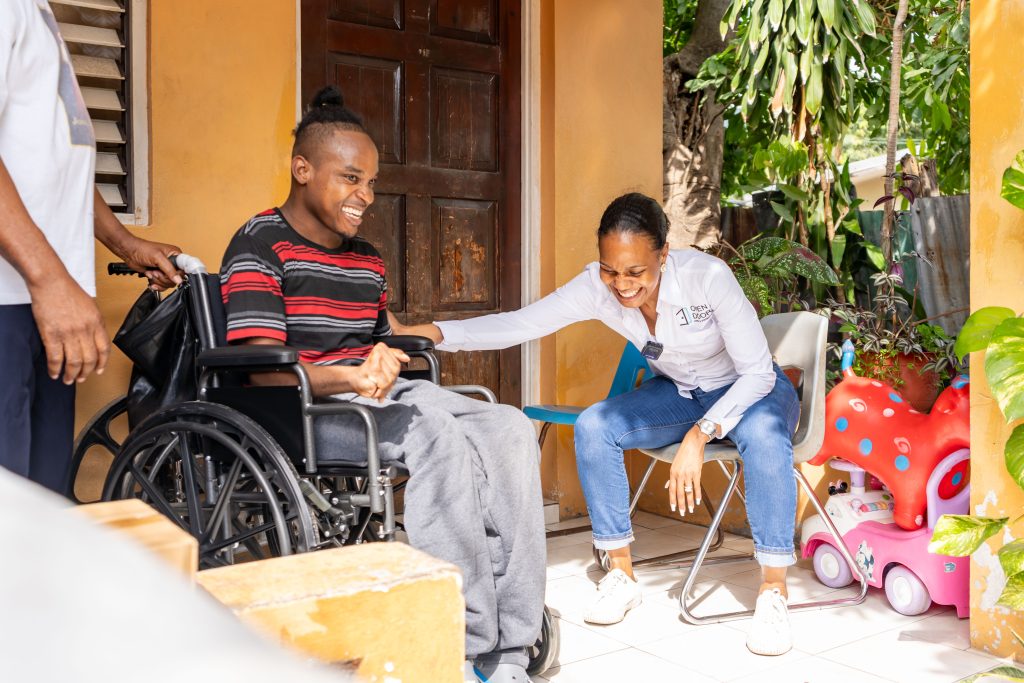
{"points": [[868, 643]]}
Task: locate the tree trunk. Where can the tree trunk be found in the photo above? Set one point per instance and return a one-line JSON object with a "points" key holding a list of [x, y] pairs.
{"points": [[894, 117], [693, 136], [927, 183]]}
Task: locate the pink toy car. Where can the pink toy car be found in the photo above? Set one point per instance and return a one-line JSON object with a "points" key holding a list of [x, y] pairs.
{"points": [[889, 556]]}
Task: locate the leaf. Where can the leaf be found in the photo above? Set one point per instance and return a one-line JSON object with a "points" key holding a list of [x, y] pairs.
{"points": [[828, 10], [875, 255], [978, 328], [865, 17], [1004, 367], [1011, 557], [1013, 592], [961, 535], [754, 250], [907, 193], [806, 263], [775, 13], [794, 192], [1013, 182], [1002, 674], [882, 200], [838, 246], [804, 14], [814, 89], [1013, 455], [783, 211]]}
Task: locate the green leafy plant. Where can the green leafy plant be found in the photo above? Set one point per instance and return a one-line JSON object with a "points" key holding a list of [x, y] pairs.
{"points": [[769, 271], [1013, 182], [886, 330]]}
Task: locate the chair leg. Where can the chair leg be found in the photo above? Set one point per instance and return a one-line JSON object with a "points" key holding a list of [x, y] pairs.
{"points": [[686, 606]]}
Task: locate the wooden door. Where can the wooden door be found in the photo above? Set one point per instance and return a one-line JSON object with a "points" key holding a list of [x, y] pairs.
{"points": [[437, 83]]}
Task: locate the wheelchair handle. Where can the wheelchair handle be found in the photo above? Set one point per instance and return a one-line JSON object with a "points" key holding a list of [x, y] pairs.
{"points": [[183, 262]]}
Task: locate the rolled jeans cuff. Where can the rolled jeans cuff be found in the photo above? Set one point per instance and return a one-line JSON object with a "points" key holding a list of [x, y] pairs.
{"points": [[613, 542], [774, 557]]}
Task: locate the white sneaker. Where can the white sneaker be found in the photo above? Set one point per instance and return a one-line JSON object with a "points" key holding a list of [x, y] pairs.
{"points": [[769, 632], [616, 595]]}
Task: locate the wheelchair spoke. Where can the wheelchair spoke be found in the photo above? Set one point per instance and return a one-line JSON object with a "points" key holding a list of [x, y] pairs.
{"points": [[154, 496], [241, 537], [216, 517], [195, 519]]}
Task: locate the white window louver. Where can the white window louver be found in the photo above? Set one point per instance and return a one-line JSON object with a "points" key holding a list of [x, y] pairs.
{"points": [[96, 33]]}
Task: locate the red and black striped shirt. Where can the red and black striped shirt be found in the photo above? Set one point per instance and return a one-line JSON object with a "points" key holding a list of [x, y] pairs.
{"points": [[327, 303]]}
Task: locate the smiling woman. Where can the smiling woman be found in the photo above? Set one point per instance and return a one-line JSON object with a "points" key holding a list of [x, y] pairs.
{"points": [[715, 377]]}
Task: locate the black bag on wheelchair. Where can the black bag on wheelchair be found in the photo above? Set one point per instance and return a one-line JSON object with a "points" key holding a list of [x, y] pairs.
{"points": [[159, 339]]}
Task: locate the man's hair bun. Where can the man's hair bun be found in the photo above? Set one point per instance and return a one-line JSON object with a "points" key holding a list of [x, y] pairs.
{"points": [[328, 97]]}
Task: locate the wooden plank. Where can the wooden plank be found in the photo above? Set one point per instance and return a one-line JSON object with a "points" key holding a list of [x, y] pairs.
{"points": [[104, 5], [102, 99], [107, 131], [90, 35], [392, 611], [96, 67], [108, 164], [146, 526]]}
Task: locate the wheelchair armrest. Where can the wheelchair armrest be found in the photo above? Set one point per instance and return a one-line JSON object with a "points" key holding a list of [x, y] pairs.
{"points": [[406, 342], [248, 356]]}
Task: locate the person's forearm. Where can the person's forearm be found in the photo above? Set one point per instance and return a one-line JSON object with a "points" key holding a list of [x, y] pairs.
{"points": [[428, 330], [324, 380], [22, 243]]}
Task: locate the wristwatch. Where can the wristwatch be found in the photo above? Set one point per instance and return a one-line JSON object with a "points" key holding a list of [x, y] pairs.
{"points": [[708, 427]]}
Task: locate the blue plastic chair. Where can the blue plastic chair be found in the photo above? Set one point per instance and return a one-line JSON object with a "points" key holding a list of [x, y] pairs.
{"points": [[631, 365]]}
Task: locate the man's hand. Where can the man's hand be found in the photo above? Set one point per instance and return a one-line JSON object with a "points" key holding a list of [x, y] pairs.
{"points": [[151, 259], [375, 377], [684, 475], [71, 329]]}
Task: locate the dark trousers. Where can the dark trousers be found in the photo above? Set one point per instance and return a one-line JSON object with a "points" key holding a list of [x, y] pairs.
{"points": [[37, 414]]}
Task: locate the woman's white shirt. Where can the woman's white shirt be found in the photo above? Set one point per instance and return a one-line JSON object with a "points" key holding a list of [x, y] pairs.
{"points": [[709, 330]]}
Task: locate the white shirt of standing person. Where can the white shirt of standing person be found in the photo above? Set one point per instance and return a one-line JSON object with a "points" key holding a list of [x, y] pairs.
{"points": [[709, 330], [46, 141]]}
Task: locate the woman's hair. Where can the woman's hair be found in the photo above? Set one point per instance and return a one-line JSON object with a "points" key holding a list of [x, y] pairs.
{"points": [[636, 214], [325, 114]]}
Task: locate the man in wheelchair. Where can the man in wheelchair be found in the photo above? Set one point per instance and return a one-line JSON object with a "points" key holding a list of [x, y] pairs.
{"points": [[299, 275]]}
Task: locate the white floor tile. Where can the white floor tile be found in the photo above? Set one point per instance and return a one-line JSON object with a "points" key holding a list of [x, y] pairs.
{"points": [[646, 623], [578, 643], [810, 670], [569, 523], [819, 630], [652, 521], [943, 628], [569, 597], [626, 666], [569, 539], [898, 656], [709, 597], [572, 559], [717, 651], [803, 585]]}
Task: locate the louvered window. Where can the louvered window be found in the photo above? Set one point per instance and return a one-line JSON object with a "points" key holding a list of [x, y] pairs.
{"points": [[98, 34]]}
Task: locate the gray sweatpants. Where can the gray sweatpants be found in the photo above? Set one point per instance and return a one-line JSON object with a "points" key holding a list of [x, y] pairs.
{"points": [[473, 499]]}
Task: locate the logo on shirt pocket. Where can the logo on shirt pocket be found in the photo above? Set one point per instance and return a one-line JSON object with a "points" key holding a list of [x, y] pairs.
{"points": [[693, 314]]}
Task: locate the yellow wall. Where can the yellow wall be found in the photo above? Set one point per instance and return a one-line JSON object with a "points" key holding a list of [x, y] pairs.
{"points": [[997, 278], [601, 137], [222, 103]]}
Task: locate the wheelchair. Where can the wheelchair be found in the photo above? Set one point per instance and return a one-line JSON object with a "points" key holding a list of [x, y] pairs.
{"points": [[236, 466]]}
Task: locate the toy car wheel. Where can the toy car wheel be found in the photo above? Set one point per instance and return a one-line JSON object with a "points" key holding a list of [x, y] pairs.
{"points": [[906, 593], [831, 567]]}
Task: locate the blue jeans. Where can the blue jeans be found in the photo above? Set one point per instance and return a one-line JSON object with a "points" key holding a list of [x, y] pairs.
{"points": [[654, 415]]}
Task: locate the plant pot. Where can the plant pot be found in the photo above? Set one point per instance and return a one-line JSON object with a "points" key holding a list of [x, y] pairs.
{"points": [[918, 389]]}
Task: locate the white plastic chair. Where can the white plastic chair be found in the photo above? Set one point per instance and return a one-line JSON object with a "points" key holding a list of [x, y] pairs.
{"points": [[796, 340]]}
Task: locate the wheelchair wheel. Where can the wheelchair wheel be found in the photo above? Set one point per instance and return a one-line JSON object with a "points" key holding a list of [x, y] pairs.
{"points": [[545, 651], [97, 445], [221, 477]]}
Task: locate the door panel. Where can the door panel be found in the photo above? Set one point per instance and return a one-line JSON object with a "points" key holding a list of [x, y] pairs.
{"points": [[437, 83]]}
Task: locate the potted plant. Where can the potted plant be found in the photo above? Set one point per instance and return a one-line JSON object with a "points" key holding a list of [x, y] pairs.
{"points": [[769, 271], [912, 355]]}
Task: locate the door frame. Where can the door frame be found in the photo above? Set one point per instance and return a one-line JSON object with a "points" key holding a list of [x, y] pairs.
{"points": [[530, 198]]}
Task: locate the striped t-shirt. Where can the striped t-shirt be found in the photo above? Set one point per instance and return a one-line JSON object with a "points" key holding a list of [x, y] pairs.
{"points": [[327, 303]]}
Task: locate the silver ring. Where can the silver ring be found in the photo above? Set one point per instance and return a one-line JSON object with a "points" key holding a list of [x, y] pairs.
{"points": [[687, 489]]}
